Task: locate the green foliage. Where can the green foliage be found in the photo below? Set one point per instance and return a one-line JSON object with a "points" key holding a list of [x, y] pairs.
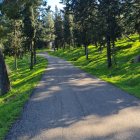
{"points": [[132, 20], [68, 28], [45, 30], [125, 75], [23, 82], [12, 8], [29, 21]]}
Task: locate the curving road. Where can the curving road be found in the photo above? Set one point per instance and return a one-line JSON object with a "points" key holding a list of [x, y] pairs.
{"points": [[69, 104]]}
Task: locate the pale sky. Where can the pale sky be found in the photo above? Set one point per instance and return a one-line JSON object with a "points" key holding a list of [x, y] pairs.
{"points": [[52, 3]]}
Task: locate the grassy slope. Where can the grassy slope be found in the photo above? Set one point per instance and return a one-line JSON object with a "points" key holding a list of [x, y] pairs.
{"points": [[126, 75], [23, 82]]}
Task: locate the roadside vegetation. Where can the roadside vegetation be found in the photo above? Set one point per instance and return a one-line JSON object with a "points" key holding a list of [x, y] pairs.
{"points": [[125, 74], [23, 82]]}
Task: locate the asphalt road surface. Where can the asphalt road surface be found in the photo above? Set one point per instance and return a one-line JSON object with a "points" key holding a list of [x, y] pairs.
{"points": [[69, 104]]}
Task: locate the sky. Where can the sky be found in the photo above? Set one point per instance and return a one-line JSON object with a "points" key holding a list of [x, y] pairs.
{"points": [[53, 3]]}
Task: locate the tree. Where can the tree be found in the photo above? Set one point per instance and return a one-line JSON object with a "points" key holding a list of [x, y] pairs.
{"points": [[47, 27], [110, 11], [131, 17], [58, 29], [29, 29], [12, 9], [4, 79], [68, 28]]}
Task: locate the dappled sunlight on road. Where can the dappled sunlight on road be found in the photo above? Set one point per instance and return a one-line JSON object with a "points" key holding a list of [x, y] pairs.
{"points": [[85, 82], [46, 94], [119, 126]]}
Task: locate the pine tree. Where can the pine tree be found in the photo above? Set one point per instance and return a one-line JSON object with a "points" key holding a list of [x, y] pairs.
{"points": [[58, 29], [12, 9], [68, 28], [29, 29]]}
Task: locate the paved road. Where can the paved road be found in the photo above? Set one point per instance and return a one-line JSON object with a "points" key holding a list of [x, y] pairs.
{"points": [[69, 104]]}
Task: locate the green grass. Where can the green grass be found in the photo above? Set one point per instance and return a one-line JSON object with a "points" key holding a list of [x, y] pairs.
{"points": [[23, 82], [125, 75]]}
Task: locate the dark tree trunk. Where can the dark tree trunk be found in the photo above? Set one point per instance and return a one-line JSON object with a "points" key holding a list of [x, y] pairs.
{"points": [[96, 44], [4, 79], [86, 52], [114, 52], [74, 44], [109, 60], [64, 46], [15, 59], [34, 48], [85, 49], [15, 45], [100, 48], [108, 35], [32, 56]]}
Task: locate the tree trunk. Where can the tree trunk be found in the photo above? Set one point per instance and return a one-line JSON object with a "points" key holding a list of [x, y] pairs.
{"points": [[32, 56], [96, 44], [86, 51], [34, 48], [15, 63], [4, 79], [109, 60], [15, 44], [64, 46], [114, 52]]}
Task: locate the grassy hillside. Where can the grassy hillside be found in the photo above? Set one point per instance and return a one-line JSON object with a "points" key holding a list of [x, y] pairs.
{"points": [[125, 75], [23, 82]]}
